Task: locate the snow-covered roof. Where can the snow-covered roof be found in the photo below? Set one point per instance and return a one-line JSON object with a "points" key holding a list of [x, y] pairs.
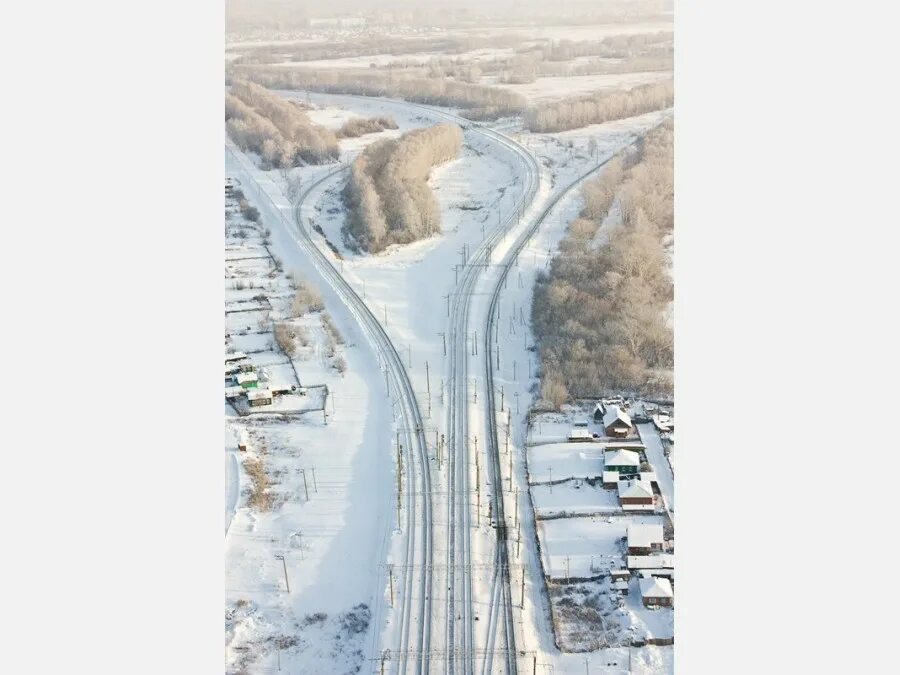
{"points": [[622, 458], [656, 561], [259, 394], [613, 414], [246, 377], [641, 535], [231, 392], [631, 489], [235, 356], [580, 432], [610, 476], [654, 587]]}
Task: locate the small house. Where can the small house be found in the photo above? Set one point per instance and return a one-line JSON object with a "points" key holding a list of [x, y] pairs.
{"points": [[610, 480], [644, 539], [599, 412], [580, 432], [626, 462], [235, 356], [232, 393], [662, 564], [246, 367], [635, 493], [259, 397], [616, 422], [656, 592], [247, 380], [282, 389]]}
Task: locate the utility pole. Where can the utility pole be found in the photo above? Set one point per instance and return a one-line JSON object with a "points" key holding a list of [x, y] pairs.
{"points": [[315, 487], [514, 369], [475, 389], [284, 566], [522, 598], [448, 315], [475, 343], [444, 340], [501, 398], [305, 487], [391, 577]]}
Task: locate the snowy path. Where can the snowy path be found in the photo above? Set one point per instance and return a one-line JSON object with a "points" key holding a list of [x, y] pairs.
{"points": [[232, 487], [657, 458]]}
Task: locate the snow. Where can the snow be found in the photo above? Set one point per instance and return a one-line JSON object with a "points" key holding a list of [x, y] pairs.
{"points": [[643, 536], [581, 540], [330, 538], [657, 458], [553, 88], [574, 497], [345, 527]]}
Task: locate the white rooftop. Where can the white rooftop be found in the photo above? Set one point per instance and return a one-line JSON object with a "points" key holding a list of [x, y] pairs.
{"points": [[643, 535], [259, 394], [235, 356], [614, 413], [246, 377], [656, 561], [233, 391], [654, 587], [631, 489], [622, 458]]}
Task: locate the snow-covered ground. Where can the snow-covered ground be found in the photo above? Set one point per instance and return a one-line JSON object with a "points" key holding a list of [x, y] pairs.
{"points": [[575, 497], [345, 526], [657, 458], [552, 88], [330, 486], [571, 545]]}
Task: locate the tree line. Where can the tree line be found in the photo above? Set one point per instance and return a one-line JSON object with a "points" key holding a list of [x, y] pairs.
{"points": [[276, 129], [360, 126], [603, 106], [387, 195], [480, 102], [600, 315]]}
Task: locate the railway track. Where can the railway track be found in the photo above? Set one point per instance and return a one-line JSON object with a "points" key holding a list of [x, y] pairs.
{"points": [[501, 602]]}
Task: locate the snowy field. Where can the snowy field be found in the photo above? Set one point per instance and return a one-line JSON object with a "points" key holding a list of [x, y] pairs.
{"points": [[557, 461], [553, 88], [572, 545], [572, 498]]}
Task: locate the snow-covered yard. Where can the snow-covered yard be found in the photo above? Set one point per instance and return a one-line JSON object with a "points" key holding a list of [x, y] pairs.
{"points": [[574, 498]]}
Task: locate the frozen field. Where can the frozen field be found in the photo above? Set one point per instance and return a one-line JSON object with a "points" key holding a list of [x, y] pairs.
{"points": [[577, 542], [573, 498], [552, 88]]}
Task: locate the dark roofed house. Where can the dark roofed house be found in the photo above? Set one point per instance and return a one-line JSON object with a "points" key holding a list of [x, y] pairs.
{"points": [[616, 422]]}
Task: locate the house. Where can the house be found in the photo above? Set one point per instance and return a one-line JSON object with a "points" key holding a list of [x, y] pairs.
{"points": [[599, 412], [656, 592], [616, 422], [610, 480], [233, 392], [663, 423], [259, 397], [282, 389], [636, 494], [235, 356], [622, 461], [580, 432], [662, 564], [247, 380], [644, 539]]}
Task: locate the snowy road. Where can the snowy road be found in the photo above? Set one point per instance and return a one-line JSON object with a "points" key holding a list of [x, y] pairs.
{"points": [[232, 487], [657, 459]]}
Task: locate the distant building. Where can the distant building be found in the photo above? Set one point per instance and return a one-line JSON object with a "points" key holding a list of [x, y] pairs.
{"points": [[259, 397], [644, 539], [656, 592], [616, 422]]}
